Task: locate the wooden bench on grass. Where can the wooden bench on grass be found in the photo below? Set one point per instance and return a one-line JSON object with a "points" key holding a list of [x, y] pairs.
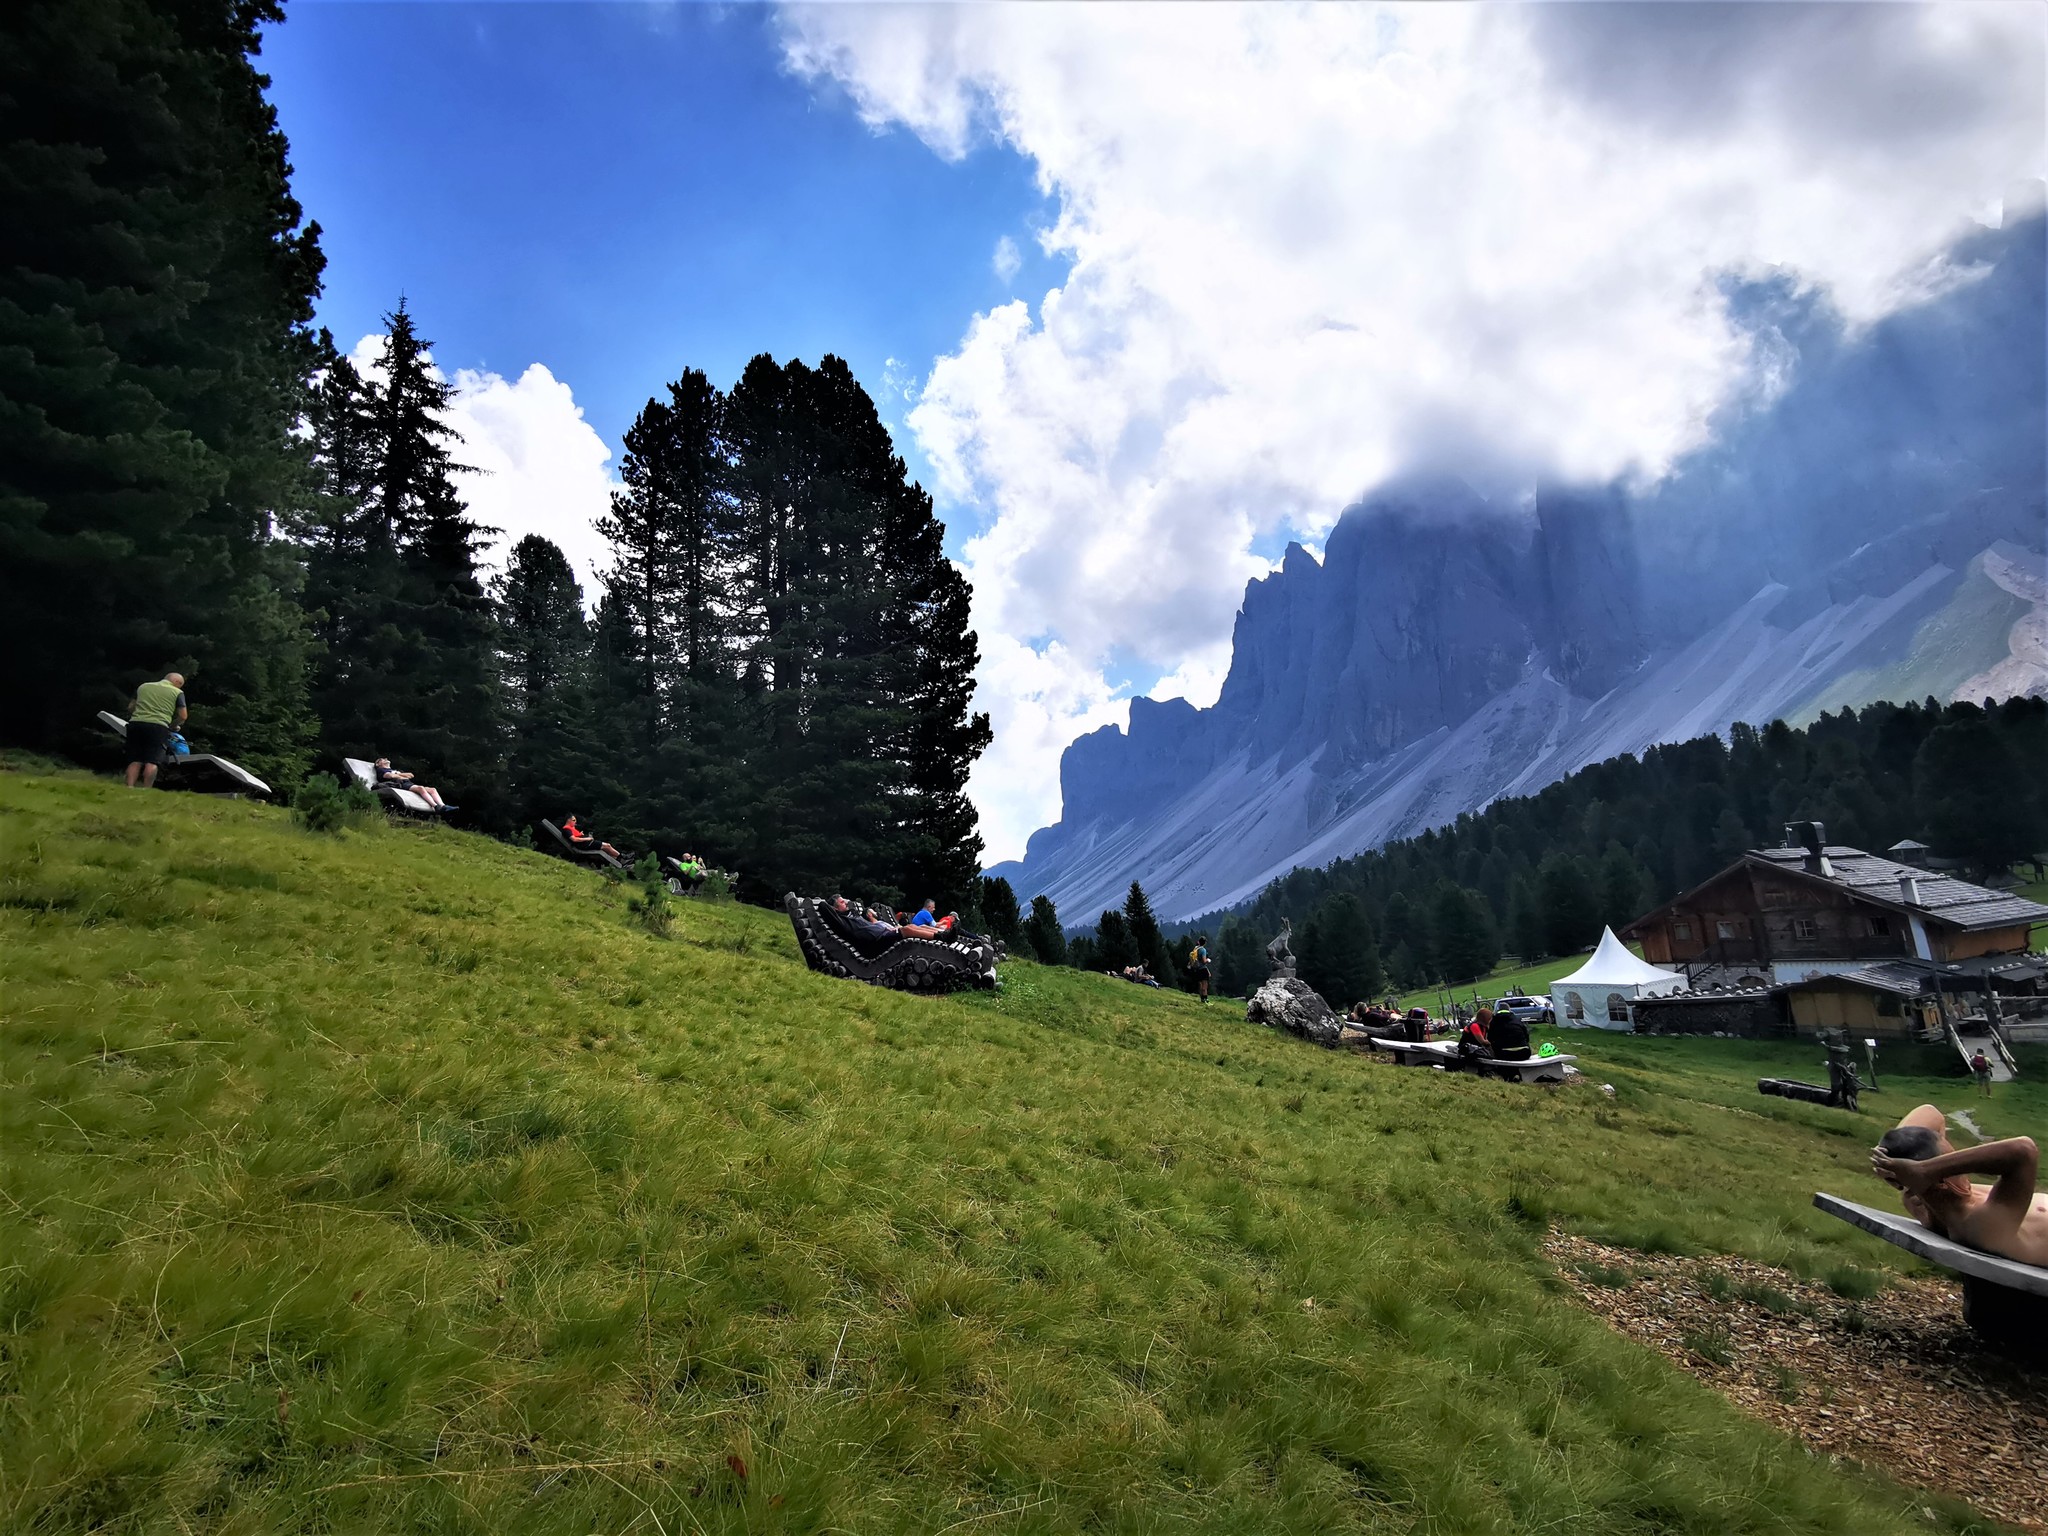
{"points": [[1534, 1069], [2004, 1301]]}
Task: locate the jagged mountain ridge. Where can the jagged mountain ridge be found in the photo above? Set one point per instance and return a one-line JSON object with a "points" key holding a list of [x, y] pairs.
{"points": [[1876, 529]]}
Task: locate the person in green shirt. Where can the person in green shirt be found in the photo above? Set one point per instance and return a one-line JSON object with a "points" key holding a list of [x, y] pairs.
{"points": [[158, 709]]}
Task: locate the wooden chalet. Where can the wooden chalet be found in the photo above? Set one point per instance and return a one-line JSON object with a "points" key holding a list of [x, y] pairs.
{"points": [[1788, 915]]}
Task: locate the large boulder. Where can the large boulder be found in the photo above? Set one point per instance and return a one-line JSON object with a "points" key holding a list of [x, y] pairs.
{"points": [[1289, 1003]]}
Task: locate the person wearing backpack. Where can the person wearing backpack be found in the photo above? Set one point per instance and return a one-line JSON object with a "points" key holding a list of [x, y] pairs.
{"points": [[1198, 966]]}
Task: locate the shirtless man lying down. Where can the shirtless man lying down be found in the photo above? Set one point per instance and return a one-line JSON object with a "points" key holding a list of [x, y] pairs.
{"points": [[2007, 1218]]}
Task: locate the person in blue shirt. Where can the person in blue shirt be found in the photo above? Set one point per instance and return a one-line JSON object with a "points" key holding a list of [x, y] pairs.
{"points": [[926, 916]]}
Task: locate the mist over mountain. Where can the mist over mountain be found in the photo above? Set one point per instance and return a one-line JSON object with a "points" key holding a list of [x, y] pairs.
{"points": [[1867, 523]]}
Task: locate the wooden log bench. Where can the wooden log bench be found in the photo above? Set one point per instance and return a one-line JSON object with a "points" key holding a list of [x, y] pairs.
{"points": [[2004, 1301]]}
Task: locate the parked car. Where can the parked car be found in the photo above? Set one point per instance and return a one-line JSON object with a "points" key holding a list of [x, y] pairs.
{"points": [[1530, 1010]]}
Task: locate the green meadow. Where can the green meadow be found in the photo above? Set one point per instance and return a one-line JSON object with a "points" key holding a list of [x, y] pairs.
{"points": [[398, 1181]]}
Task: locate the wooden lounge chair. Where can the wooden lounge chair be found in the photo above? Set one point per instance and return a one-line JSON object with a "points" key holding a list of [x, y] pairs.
{"points": [[593, 856], [945, 962], [2004, 1301]]}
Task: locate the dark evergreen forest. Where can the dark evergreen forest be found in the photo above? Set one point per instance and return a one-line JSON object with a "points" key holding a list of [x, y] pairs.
{"points": [[1540, 875], [776, 670]]}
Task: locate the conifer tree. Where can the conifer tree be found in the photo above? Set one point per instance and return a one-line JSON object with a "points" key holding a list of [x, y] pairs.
{"points": [[999, 911], [408, 668], [1467, 947], [1114, 947], [1042, 931], [156, 284], [1338, 956], [554, 765], [1571, 904], [1150, 943]]}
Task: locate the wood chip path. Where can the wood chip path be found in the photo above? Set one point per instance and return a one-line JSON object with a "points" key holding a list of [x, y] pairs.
{"points": [[1896, 1382]]}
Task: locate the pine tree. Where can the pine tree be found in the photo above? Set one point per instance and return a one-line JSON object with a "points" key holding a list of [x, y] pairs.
{"points": [[1114, 947], [408, 668], [1971, 794], [544, 664], [999, 910], [156, 286], [1467, 946], [1621, 887], [1526, 928], [1338, 956], [1042, 930], [1240, 958], [1571, 904], [1153, 953]]}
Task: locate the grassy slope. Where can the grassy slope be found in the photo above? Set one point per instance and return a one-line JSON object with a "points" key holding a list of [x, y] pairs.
{"points": [[393, 1182]]}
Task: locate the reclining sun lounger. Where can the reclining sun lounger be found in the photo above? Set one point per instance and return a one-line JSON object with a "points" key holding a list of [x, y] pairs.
{"points": [[593, 856], [393, 795], [198, 773], [942, 963], [2004, 1301]]}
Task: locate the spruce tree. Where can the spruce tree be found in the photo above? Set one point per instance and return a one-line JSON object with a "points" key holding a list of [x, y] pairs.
{"points": [[1467, 947], [1114, 947], [156, 284], [1153, 953], [554, 764], [1571, 904], [1042, 930], [408, 668], [1338, 956], [999, 910]]}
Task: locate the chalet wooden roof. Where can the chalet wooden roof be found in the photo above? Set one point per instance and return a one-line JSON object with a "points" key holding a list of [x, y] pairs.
{"points": [[1939, 898]]}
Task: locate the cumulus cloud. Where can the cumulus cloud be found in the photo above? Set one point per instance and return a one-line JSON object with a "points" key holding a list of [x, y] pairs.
{"points": [[530, 462], [1311, 246], [1007, 259]]}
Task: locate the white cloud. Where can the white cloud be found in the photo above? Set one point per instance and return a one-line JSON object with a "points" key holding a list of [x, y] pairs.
{"points": [[1007, 258], [531, 463], [1310, 245]]}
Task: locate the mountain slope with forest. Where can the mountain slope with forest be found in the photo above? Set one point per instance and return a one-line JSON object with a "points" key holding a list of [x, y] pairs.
{"points": [[398, 1180], [1875, 530]]}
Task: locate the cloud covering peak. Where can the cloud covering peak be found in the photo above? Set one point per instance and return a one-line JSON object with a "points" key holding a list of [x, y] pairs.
{"points": [[1312, 246]]}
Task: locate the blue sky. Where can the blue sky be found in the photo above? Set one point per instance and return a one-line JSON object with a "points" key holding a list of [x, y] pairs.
{"points": [[620, 191], [1297, 250]]}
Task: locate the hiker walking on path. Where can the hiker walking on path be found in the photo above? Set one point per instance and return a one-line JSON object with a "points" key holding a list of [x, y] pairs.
{"points": [[1198, 966], [1980, 1065], [156, 710]]}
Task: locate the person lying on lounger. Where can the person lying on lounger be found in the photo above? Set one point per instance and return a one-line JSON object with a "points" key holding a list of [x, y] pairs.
{"points": [[582, 840], [2009, 1218], [398, 778]]}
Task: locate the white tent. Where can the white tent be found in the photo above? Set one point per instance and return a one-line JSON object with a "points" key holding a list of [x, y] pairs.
{"points": [[1601, 991]]}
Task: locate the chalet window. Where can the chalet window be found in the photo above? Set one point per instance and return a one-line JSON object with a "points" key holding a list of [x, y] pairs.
{"points": [[1681, 930], [1805, 928], [1725, 930], [1880, 927]]}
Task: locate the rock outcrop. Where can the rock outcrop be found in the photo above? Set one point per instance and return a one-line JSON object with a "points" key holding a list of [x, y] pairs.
{"points": [[1289, 1003]]}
